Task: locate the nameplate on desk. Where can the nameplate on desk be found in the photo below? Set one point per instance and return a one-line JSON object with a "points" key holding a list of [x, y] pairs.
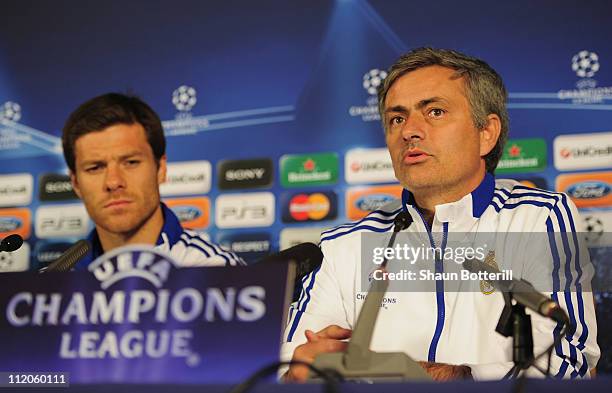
{"points": [[135, 317]]}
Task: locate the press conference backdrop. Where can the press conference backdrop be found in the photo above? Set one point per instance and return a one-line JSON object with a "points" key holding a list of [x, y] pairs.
{"points": [[269, 108]]}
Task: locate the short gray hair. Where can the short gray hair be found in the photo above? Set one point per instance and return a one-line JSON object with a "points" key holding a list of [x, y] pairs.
{"points": [[485, 90]]}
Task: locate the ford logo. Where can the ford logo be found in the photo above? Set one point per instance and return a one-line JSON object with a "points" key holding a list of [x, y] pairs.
{"points": [[187, 213], [373, 202], [589, 190], [8, 224]]}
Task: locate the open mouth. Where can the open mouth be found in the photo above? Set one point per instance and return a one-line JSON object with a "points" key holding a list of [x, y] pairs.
{"points": [[415, 156]]}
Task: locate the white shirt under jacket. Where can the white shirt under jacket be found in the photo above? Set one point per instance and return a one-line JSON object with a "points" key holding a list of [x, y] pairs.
{"points": [[458, 327]]}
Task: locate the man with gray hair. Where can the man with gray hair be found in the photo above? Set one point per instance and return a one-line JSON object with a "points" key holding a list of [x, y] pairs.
{"points": [[445, 123]]}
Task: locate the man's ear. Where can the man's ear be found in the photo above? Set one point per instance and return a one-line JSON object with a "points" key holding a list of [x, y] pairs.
{"points": [[161, 170], [75, 184], [490, 134]]}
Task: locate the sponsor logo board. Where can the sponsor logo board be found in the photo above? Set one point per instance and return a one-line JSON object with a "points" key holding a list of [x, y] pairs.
{"points": [[245, 210], [62, 221], [361, 201], [18, 220], [309, 169], [188, 177], [368, 166], [46, 252], [598, 228], [193, 213], [523, 155], [16, 261], [244, 174], [309, 206], [587, 189], [293, 236], [250, 246], [583, 151], [55, 187], [16, 189]]}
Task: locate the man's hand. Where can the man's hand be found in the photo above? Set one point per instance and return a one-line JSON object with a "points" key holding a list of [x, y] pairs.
{"points": [[323, 341], [446, 372]]}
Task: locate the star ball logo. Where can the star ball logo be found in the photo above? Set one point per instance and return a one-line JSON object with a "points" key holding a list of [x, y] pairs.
{"points": [[585, 64], [371, 81], [184, 98], [10, 111]]}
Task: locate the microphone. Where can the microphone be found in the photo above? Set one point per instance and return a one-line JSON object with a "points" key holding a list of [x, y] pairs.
{"points": [[306, 257], [11, 243], [359, 362], [69, 258], [522, 291]]}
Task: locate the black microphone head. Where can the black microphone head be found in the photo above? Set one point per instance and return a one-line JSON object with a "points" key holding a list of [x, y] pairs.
{"points": [[300, 252], [11, 243], [402, 221]]}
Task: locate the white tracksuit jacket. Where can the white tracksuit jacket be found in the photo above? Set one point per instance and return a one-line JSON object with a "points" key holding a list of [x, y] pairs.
{"points": [[458, 327]]}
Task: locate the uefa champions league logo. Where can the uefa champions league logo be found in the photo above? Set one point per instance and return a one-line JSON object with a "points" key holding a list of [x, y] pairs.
{"points": [[184, 98], [10, 111], [373, 79], [585, 64]]}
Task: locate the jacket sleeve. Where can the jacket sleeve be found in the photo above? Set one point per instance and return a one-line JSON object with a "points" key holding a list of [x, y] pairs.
{"points": [[319, 305], [561, 261]]}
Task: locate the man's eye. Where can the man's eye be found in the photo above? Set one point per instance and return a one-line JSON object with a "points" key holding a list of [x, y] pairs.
{"points": [[133, 162], [92, 169], [396, 120], [436, 112]]}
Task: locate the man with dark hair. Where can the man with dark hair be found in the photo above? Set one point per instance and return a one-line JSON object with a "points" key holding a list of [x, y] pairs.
{"points": [[445, 123], [115, 148]]}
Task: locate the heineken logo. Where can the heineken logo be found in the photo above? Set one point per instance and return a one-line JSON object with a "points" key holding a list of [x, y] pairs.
{"points": [[523, 155], [312, 169]]}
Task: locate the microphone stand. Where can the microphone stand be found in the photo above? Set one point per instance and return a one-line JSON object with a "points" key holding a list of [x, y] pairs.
{"points": [[516, 323], [359, 362]]}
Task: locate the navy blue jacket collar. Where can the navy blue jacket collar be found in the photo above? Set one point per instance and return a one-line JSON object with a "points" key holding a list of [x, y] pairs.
{"points": [[481, 196], [171, 229]]}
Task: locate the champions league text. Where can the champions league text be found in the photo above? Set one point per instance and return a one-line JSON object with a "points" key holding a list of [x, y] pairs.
{"points": [[162, 306]]}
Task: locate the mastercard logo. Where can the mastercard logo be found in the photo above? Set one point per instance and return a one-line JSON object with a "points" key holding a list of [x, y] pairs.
{"points": [[303, 207], [311, 206]]}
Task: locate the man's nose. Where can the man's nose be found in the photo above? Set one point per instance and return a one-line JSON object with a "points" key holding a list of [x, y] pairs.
{"points": [[414, 128], [114, 178]]}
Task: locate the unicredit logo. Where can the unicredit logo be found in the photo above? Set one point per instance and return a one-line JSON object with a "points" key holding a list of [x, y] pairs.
{"points": [[371, 166], [189, 177], [16, 189], [588, 151]]}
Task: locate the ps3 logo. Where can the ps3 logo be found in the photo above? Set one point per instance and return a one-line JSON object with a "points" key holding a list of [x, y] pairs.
{"points": [[61, 221], [245, 210]]}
